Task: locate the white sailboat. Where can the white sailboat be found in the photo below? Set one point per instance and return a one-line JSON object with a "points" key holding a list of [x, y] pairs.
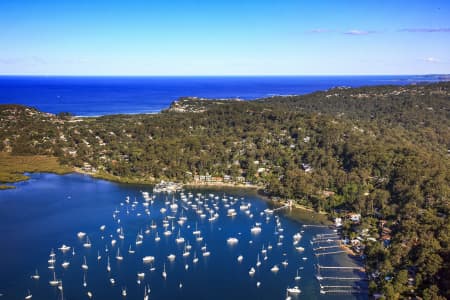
{"points": [[108, 266], [54, 281], [36, 275], [84, 266], [119, 256], [195, 260], [164, 274], [297, 277], [87, 243]]}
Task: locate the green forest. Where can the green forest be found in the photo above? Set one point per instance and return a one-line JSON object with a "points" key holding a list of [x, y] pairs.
{"points": [[382, 152]]}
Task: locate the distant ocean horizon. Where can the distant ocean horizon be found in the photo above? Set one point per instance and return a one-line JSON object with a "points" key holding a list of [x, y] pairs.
{"points": [[95, 96]]}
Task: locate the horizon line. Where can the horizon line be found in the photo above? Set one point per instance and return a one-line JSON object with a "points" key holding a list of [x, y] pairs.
{"points": [[221, 75]]}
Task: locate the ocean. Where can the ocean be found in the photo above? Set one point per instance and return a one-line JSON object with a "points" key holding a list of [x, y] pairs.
{"points": [[93, 96]]}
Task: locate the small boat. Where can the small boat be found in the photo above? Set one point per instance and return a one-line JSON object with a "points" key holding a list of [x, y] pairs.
{"points": [[124, 292], [98, 255], [64, 248], [54, 281], [252, 271], [108, 266], [141, 275], [84, 280], [304, 258], [179, 238], [65, 264], [102, 227], [164, 273], [118, 256], [240, 258], [255, 229], [112, 281], [36, 275], [297, 277], [29, 295], [148, 259], [206, 253], [146, 293], [258, 284], [285, 263], [275, 269], [232, 241], [81, 234], [157, 238], [195, 260], [294, 291], [84, 266], [196, 231], [171, 257], [89, 294], [258, 262], [87, 243]]}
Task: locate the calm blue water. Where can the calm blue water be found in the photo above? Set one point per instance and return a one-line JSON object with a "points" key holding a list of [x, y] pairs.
{"points": [[49, 210], [89, 96]]}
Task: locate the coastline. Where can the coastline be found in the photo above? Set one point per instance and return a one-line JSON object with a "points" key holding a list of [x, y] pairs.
{"points": [[13, 174]]}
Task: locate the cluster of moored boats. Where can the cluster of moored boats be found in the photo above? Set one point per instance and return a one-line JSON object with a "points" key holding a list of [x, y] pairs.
{"points": [[111, 243]]}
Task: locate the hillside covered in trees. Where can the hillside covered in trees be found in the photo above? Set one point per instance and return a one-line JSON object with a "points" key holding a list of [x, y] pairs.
{"points": [[382, 152]]}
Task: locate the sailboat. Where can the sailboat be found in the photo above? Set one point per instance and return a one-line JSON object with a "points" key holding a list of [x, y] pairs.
{"points": [[205, 251], [196, 232], [87, 244], [297, 277], [84, 266], [108, 266], [145, 294], [54, 281], [36, 276], [179, 238], [118, 256], [65, 264], [164, 274]]}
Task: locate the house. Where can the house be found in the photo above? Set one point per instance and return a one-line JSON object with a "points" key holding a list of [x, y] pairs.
{"points": [[306, 167]]}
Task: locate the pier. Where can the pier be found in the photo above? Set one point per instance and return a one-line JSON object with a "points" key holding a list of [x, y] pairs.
{"points": [[342, 268], [326, 247], [329, 253], [339, 278]]}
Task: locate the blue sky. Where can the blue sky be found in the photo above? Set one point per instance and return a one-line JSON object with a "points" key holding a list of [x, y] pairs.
{"points": [[224, 37]]}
